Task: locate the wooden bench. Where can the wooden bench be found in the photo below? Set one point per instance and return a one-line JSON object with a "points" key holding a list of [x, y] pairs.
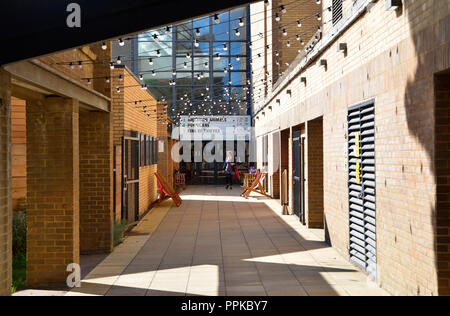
{"points": [[256, 186], [166, 191]]}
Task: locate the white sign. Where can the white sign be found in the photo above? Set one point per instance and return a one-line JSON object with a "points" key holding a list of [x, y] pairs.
{"points": [[208, 128]]}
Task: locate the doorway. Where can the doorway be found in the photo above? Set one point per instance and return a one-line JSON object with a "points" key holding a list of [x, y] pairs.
{"points": [[299, 175], [130, 180]]}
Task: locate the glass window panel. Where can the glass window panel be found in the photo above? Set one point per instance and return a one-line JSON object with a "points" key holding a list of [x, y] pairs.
{"points": [[221, 63], [238, 48], [203, 25], [202, 49], [198, 80], [201, 64], [183, 48], [184, 32], [184, 78], [181, 64], [221, 30], [218, 48], [159, 64], [238, 78], [221, 78]]}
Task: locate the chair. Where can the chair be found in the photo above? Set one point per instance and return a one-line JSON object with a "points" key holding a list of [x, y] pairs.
{"points": [[180, 180], [166, 191], [256, 187]]}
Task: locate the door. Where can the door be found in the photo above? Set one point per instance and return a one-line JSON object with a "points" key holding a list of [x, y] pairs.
{"points": [[130, 180], [302, 181], [361, 183]]}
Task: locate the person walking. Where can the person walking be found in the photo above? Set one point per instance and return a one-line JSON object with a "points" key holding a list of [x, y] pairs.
{"points": [[228, 169]]}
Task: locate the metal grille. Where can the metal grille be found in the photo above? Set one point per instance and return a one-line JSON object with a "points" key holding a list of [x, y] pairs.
{"points": [[362, 194], [337, 11]]}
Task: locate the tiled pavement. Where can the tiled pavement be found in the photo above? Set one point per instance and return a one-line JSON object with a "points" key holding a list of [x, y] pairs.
{"points": [[217, 243]]}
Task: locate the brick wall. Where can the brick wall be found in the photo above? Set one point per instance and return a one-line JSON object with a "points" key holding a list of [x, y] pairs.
{"points": [[52, 189], [96, 183], [394, 63], [94, 65], [128, 116], [442, 94], [314, 208], [5, 186], [18, 150], [305, 12]]}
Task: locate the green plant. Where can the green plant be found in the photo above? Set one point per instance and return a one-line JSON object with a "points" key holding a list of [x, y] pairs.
{"points": [[119, 230], [20, 229], [19, 272]]}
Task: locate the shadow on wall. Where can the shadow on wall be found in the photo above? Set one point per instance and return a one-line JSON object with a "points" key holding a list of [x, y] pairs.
{"points": [[431, 46]]}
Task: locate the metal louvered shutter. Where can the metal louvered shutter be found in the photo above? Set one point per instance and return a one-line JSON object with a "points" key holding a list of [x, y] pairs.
{"points": [[337, 11], [361, 184]]}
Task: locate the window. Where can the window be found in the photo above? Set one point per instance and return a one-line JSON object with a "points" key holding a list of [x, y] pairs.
{"points": [[337, 11], [148, 150]]}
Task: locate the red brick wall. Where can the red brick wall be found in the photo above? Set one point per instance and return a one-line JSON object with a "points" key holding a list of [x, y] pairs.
{"points": [[52, 189], [96, 186], [289, 22], [314, 181], [5, 186], [18, 150], [442, 94]]}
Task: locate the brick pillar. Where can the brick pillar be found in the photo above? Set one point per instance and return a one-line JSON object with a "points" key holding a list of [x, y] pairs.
{"points": [[314, 213], [442, 163], [96, 182], [5, 185], [52, 189]]}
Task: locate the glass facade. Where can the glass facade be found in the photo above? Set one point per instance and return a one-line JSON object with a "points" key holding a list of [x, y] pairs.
{"points": [[200, 67]]}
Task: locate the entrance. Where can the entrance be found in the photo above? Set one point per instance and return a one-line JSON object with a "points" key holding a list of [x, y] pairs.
{"points": [[299, 176], [130, 180], [361, 182]]}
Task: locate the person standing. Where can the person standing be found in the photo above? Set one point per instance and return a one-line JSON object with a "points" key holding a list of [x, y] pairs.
{"points": [[228, 168]]}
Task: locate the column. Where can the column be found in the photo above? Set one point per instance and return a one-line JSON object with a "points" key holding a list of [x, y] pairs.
{"points": [[52, 189], [5, 185]]}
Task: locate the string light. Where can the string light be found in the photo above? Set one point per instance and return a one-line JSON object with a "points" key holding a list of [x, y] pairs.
{"points": [[277, 17], [119, 60], [216, 19], [241, 22], [237, 32], [121, 42], [197, 32], [104, 46], [283, 9], [168, 30], [150, 61]]}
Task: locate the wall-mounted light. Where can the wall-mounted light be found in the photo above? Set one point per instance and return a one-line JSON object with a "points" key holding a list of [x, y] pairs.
{"points": [[270, 107], [393, 4], [289, 92], [342, 47], [278, 101], [324, 63], [303, 80]]}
